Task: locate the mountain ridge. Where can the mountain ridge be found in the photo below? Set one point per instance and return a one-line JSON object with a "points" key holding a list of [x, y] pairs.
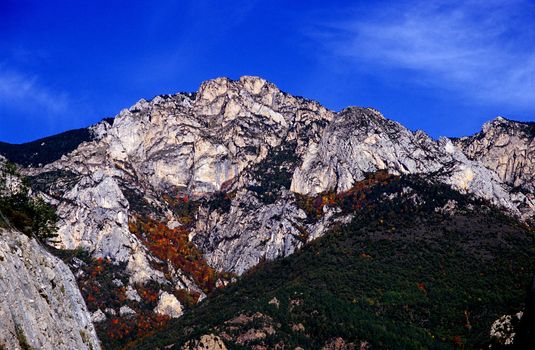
{"points": [[232, 124], [192, 95], [184, 193]]}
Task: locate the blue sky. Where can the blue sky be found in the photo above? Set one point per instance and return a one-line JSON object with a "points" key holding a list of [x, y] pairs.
{"points": [[443, 67]]}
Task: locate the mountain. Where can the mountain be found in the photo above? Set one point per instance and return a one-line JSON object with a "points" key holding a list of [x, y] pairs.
{"points": [[182, 195]]}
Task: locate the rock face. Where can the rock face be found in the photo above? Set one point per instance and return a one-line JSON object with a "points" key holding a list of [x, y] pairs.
{"points": [[207, 342], [41, 306], [261, 150], [168, 305], [508, 148], [361, 140], [253, 231], [196, 144]]}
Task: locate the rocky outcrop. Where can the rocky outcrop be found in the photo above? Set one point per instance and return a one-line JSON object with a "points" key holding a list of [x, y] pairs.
{"points": [[175, 142], [253, 231], [523, 331], [168, 305], [507, 148], [41, 306], [503, 330], [361, 140], [340, 344], [206, 342]]}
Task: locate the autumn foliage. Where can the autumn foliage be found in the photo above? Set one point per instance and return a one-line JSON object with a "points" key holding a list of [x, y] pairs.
{"points": [[173, 245], [126, 330], [351, 200], [97, 286], [103, 283]]}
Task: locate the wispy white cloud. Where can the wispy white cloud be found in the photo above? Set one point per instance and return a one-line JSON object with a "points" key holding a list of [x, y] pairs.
{"points": [[484, 49], [25, 92]]}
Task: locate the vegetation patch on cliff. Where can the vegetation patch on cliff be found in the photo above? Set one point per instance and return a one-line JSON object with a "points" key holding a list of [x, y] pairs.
{"points": [[26, 213], [274, 172]]}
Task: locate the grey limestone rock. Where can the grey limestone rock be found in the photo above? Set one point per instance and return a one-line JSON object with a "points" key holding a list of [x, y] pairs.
{"points": [[40, 304]]}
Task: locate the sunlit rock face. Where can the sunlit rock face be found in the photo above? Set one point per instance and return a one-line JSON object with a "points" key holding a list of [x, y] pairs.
{"points": [[361, 140], [197, 144], [246, 138], [168, 305], [508, 148], [252, 231], [357, 142], [40, 304]]}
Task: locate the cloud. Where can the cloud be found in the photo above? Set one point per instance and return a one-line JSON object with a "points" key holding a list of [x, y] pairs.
{"points": [[24, 92], [484, 49]]}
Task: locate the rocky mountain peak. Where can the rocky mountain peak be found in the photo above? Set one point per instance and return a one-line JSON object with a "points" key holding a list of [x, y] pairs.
{"points": [[369, 119], [506, 147], [501, 125], [494, 124], [211, 89]]}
